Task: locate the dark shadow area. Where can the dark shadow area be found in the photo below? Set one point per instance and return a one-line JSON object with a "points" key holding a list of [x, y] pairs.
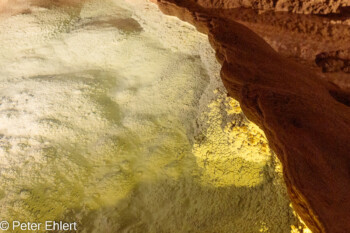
{"points": [[343, 14], [341, 97], [127, 25]]}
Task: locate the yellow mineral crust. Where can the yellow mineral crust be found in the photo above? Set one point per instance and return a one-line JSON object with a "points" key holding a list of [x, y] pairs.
{"points": [[235, 152], [232, 153]]}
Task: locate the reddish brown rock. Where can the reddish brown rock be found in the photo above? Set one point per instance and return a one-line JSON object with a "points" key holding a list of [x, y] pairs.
{"points": [[304, 6], [306, 119], [334, 61]]}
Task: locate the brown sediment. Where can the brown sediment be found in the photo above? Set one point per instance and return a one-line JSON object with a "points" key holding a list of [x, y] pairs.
{"points": [[305, 118]]}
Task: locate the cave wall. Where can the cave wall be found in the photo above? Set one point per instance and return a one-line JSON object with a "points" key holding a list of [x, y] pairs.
{"points": [[303, 110], [301, 6]]}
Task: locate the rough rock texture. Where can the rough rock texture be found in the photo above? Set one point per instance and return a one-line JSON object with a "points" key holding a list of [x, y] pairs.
{"points": [[305, 6], [114, 116], [301, 37], [305, 117], [334, 61], [11, 7]]}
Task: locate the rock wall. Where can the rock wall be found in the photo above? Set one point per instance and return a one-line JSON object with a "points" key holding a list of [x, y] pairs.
{"points": [[334, 61], [304, 113], [305, 7]]}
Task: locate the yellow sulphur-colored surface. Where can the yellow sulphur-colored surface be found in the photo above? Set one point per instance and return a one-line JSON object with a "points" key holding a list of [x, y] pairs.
{"points": [[113, 115], [231, 153]]}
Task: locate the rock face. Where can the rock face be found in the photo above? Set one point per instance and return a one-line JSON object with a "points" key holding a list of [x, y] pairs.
{"points": [[305, 6], [334, 61], [305, 113]]}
